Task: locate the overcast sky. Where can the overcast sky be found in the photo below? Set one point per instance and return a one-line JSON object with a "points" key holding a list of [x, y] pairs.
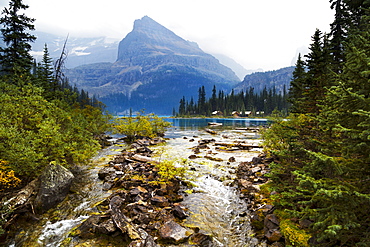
{"points": [[256, 34]]}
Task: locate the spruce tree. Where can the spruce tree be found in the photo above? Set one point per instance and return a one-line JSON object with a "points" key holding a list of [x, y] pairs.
{"points": [[317, 76], [339, 29], [15, 27]]}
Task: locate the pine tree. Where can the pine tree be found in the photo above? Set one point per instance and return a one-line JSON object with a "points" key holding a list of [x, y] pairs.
{"points": [[213, 102], [296, 86], [45, 76], [15, 27], [202, 100], [182, 109]]}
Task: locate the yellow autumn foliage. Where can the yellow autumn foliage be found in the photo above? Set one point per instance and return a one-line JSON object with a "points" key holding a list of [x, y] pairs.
{"points": [[7, 178], [293, 234]]}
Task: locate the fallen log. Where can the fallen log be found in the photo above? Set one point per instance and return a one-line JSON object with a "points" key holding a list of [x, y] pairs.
{"points": [[144, 159], [210, 131], [254, 129], [242, 146]]}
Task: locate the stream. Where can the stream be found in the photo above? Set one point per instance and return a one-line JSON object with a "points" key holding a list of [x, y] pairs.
{"points": [[213, 203]]}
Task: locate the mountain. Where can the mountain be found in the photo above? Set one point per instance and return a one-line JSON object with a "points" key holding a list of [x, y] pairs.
{"points": [[154, 69], [80, 50], [239, 70], [259, 80]]}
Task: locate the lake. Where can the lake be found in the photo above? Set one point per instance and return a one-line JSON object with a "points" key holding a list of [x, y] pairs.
{"points": [[196, 123]]}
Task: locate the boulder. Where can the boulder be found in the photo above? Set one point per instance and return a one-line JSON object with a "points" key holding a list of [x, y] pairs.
{"points": [[55, 183]]}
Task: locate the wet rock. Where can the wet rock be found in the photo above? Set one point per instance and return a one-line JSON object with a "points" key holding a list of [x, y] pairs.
{"points": [[232, 159], [201, 239], [145, 241], [95, 224], [159, 201], [120, 220], [256, 169], [107, 227], [138, 190], [203, 146], [119, 159], [271, 222], [206, 141], [277, 244], [174, 233], [55, 182], [106, 172], [192, 157], [107, 185], [273, 235], [179, 212]]}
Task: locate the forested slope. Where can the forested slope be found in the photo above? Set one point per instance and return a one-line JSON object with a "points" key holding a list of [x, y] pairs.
{"points": [[322, 171]]}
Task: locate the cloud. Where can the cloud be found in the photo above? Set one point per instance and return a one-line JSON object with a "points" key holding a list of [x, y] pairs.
{"points": [[257, 34]]}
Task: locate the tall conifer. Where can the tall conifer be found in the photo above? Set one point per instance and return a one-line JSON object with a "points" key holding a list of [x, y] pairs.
{"points": [[15, 27]]}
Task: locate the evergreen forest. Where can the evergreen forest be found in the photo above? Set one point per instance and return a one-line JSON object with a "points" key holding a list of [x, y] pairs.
{"points": [[244, 104], [319, 140], [321, 171], [43, 119]]}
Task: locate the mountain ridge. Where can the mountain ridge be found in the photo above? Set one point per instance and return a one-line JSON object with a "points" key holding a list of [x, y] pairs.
{"points": [[154, 67]]}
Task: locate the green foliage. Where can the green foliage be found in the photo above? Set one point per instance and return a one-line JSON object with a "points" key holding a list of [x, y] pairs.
{"points": [[141, 125], [322, 170], [34, 131]]}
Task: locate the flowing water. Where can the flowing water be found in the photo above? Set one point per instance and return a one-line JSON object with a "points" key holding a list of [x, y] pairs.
{"points": [[214, 205], [56, 224]]}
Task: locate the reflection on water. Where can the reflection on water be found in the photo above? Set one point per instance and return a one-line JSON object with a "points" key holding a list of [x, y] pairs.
{"points": [[195, 123], [179, 125]]}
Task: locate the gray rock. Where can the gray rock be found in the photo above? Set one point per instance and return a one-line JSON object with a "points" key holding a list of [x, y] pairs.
{"points": [[271, 222], [160, 201], [106, 172], [201, 239], [173, 232], [55, 183], [273, 235]]}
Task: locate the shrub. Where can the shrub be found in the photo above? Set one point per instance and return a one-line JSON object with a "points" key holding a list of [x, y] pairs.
{"points": [[142, 125]]}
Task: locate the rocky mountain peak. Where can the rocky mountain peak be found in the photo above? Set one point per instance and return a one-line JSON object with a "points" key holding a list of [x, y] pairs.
{"points": [[150, 38], [154, 69]]}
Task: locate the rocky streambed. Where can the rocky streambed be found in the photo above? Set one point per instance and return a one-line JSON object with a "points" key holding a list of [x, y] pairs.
{"points": [[217, 203]]}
